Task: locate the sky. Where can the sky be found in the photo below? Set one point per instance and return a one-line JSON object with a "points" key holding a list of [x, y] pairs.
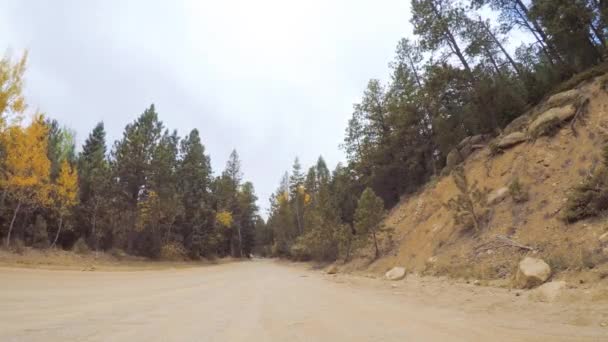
{"points": [[273, 79]]}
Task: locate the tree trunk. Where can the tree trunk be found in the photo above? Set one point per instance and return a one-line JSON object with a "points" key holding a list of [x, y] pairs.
{"points": [[94, 224], [58, 231], [10, 228], [502, 49], [240, 242], [376, 244], [493, 61], [540, 31], [599, 35], [452, 42]]}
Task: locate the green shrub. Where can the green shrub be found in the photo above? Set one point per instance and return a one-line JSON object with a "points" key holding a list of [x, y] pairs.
{"points": [[590, 198], [494, 149], [469, 207], [518, 192]]}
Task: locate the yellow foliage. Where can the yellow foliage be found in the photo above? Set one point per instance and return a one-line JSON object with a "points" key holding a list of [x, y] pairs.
{"points": [[224, 218], [146, 210], [11, 88], [283, 198], [307, 199], [66, 188], [26, 165]]}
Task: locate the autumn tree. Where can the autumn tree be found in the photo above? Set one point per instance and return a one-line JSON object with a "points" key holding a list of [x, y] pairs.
{"points": [[65, 194], [26, 167], [12, 100]]}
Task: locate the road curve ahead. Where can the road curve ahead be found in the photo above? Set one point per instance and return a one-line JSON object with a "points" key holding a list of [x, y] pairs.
{"points": [[247, 301]]}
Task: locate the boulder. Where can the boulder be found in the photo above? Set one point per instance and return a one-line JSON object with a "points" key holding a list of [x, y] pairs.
{"points": [[518, 124], [466, 151], [395, 273], [333, 269], [453, 158], [498, 195], [476, 139], [532, 272], [603, 238], [511, 140], [561, 99], [548, 292], [551, 116], [466, 141]]}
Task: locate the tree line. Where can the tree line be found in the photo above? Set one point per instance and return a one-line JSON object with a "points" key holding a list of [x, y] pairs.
{"points": [[456, 77], [152, 193]]}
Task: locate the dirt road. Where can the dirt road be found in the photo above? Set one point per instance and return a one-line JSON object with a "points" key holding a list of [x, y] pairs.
{"points": [[247, 301]]}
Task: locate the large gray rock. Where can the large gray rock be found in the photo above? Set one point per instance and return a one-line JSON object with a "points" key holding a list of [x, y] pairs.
{"points": [[453, 158], [466, 141], [532, 272], [603, 238], [498, 195], [518, 124], [553, 115], [560, 99], [548, 292], [395, 273], [511, 140], [476, 139]]}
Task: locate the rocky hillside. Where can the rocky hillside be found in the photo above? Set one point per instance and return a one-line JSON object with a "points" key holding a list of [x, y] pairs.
{"points": [[527, 174]]}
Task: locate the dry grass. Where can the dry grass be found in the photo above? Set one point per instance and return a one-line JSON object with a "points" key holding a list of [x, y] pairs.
{"points": [[93, 261]]}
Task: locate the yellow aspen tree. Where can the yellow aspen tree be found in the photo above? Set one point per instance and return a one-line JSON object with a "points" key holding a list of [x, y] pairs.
{"points": [[65, 193], [12, 101], [224, 218], [26, 166]]}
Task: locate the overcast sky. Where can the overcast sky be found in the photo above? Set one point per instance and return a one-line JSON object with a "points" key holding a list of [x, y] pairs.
{"points": [[274, 79]]}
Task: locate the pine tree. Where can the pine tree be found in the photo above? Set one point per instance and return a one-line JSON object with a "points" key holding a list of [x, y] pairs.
{"points": [[132, 157], [94, 186], [368, 218], [194, 181]]}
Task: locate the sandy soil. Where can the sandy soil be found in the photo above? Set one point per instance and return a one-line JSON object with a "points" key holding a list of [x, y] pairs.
{"points": [[265, 300]]}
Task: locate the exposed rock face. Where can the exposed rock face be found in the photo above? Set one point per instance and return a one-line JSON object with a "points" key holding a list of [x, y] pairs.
{"points": [[396, 273], [532, 272], [512, 140], [498, 195], [604, 238], [556, 115], [561, 99], [548, 292], [518, 124], [454, 158]]}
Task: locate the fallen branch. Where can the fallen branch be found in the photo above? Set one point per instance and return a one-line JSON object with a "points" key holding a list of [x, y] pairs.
{"points": [[580, 111], [501, 241], [512, 243]]}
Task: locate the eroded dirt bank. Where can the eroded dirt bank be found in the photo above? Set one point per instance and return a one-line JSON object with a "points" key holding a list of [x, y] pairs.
{"points": [[264, 300]]}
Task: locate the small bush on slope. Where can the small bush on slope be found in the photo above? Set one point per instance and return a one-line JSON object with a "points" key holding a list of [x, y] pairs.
{"points": [[590, 198], [470, 205]]}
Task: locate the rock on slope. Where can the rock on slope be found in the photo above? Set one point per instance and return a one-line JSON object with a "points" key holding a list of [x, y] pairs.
{"points": [[546, 167]]}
